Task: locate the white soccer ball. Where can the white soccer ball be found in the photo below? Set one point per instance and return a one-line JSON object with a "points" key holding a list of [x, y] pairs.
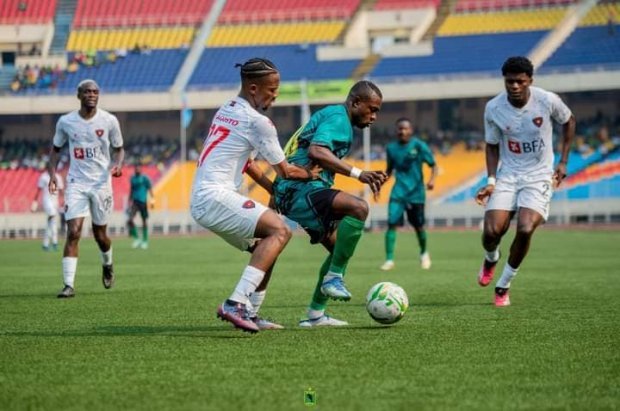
{"points": [[386, 302]]}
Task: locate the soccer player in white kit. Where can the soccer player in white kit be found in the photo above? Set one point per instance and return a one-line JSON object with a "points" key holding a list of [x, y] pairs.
{"points": [[239, 131], [518, 130], [49, 202], [90, 132]]}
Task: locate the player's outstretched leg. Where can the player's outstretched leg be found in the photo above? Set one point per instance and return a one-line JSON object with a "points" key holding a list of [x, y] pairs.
{"points": [[348, 235], [316, 310]]}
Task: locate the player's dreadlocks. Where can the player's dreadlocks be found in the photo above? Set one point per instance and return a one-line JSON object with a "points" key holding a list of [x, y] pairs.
{"points": [[518, 64], [255, 68], [364, 90]]}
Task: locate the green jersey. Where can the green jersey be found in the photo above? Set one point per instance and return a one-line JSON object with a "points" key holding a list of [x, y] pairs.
{"points": [[405, 161], [329, 127], [140, 185]]}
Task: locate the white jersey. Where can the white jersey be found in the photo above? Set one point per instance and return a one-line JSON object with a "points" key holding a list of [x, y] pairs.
{"points": [[89, 145], [238, 132], [525, 134], [43, 184]]}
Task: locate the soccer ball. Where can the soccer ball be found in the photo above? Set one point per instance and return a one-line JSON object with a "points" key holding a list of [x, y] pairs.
{"points": [[386, 302]]}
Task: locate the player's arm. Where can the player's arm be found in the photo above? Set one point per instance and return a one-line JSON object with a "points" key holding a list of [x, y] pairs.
{"points": [[118, 156], [492, 160], [118, 152], [431, 180], [51, 168], [35, 200], [324, 157], [492, 135], [259, 176], [389, 168], [568, 134], [269, 147]]}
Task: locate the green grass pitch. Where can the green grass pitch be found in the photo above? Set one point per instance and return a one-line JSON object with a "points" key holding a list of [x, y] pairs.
{"points": [[153, 341]]}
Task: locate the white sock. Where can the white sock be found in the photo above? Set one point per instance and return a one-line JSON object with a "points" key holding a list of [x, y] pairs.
{"points": [[256, 299], [54, 231], [314, 314], [106, 258], [48, 232], [507, 276], [250, 279], [492, 256], [330, 275], [69, 267]]}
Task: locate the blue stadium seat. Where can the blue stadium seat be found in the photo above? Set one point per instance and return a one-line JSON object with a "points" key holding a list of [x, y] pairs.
{"points": [[587, 46], [216, 66], [462, 54]]}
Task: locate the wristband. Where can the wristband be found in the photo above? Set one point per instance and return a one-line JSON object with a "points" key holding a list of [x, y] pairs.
{"points": [[355, 173], [491, 181]]}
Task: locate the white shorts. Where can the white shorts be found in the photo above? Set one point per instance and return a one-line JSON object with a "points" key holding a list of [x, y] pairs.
{"points": [[514, 191], [228, 214], [81, 201], [50, 207]]}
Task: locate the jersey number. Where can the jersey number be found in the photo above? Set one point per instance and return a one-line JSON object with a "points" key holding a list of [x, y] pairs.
{"points": [[217, 134]]}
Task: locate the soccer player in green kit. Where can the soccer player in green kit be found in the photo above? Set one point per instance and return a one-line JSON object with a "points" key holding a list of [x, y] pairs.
{"points": [[405, 158], [140, 186], [331, 217]]}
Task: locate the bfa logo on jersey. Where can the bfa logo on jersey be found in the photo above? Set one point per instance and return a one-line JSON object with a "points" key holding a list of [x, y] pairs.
{"points": [[99, 132], [537, 121], [533, 146]]}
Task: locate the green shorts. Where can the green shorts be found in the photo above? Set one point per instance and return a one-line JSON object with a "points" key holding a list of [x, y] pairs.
{"points": [[310, 207]]}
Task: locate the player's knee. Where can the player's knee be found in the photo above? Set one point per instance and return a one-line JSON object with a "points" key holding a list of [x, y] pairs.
{"points": [[73, 233], [283, 233], [360, 210], [526, 228], [492, 231]]}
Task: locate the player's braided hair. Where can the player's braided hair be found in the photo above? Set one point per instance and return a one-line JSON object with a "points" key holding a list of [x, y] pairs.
{"points": [[256, 68], [517, 65]]}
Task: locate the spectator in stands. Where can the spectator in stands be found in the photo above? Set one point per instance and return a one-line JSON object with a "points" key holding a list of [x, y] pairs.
{"points": [[611, 21], [527, 176]]}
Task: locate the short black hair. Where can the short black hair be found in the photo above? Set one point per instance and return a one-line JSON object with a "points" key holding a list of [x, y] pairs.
{"points": [[517, 65], [407, 119], [364, 89], [256, 67]]}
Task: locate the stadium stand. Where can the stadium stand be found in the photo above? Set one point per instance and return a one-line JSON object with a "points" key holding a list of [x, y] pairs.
{"points": [[461, 54], [405, 4], [502, 21], [294, 61], [243, 11], [124, 13], [18, 187], [30, 12], [485, 5], [586, 46]]}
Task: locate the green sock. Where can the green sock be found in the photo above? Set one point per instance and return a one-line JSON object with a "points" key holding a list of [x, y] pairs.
{"points": [[390, 242], [319, 301], [422, 240], [133, 232], [348, 235], [145, 233]]}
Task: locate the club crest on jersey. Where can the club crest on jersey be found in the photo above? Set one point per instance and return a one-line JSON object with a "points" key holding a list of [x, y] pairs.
{"points": [[537, 121], [249, 204], [514, 146], [99, 132]]}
